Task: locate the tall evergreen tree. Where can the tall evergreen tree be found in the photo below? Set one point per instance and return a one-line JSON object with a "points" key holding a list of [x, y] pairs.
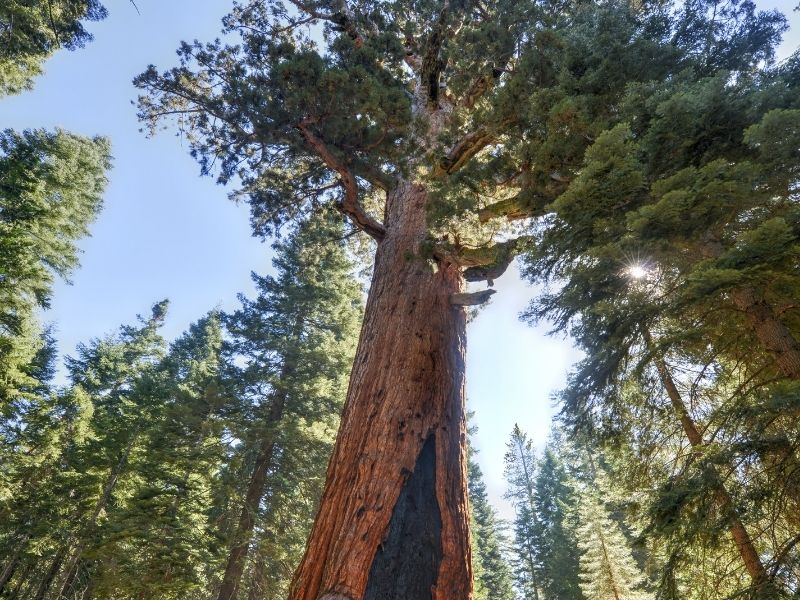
{"points": [[608, 570], [448, 114], [493, 579], [32, 30], [51, 185], [158, 541], [520, 473], [297, 340]]}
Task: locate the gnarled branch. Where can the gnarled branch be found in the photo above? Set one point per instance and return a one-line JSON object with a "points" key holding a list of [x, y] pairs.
{"points": [[514, 209], [466, 148], [485, 263], [350, 204]]}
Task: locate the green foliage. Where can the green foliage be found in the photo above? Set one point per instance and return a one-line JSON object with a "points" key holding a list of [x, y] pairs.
{"points": [[130, 481], [608, 569], [491, 571], [31, 31], [292, 347], [51, 186]]}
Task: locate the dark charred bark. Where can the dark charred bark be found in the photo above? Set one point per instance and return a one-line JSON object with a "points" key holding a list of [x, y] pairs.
{"points": [[407, 563], [407, 387]]}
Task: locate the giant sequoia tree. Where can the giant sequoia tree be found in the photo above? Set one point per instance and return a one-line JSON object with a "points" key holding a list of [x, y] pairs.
{"points": [[431, 125]]}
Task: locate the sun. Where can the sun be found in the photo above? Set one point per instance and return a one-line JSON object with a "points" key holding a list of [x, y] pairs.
{"points": [[637, 271]]}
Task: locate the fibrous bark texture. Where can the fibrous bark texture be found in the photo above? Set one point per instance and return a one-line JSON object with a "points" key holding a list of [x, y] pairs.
{"points": [[771, 332], [397, 477]]}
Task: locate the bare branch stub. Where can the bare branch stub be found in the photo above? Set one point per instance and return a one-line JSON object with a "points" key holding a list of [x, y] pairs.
{"points": [[471, 298]]}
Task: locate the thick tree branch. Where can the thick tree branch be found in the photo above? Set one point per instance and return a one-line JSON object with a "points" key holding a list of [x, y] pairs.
{"points": [[514, 209], [469, 146], [432, 64], [350, 204], [484, 83], [485, 263], [471, 298]]}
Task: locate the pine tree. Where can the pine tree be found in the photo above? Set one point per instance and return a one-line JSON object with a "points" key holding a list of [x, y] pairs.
{"points": [[51, 186], [493, 579], [73, 453], [296, 339], [449, 115], [32, 30], [520, 474], [608, 569], [158, 541]]}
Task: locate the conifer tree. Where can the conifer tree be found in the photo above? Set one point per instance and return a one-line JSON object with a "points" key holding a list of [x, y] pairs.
{"points": [[158, 541], [51, 186], [556, 549], [114, 373], [446, 115], [32, 30], [74, 451], [493, 580], [520, 474], [608, 570], [297, 339]]}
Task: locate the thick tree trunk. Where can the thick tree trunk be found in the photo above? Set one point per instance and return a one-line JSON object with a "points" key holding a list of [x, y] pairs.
{"points": [[770, 331], [741, 537], [393, 521], [252, 500]]}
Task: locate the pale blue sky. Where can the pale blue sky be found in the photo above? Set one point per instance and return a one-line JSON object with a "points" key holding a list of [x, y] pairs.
{"points": [[165, 232]]}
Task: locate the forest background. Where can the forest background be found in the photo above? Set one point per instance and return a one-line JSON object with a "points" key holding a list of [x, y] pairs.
{"points": [[164, 232]]}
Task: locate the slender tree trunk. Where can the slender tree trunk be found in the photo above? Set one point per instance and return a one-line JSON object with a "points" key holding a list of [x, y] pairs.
{"points": [[393, 523], [770, 331], [741, 537], [44, 585], [529, 487], [608, 563], [24, 584], [255, 491], [11, 563], [258, 584], [68, 572]]}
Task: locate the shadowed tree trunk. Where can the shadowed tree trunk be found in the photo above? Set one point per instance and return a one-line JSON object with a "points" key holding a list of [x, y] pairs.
{"points": [[44, 585], [393, 521], [770, 331], [12, 562], [741, 537], [255, 491]]}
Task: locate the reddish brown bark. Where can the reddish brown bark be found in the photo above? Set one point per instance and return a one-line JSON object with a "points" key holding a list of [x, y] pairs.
{"points": [[406, 388]]}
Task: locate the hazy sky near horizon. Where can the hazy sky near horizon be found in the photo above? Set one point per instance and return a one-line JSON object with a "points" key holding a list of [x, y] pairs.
{"points": [[166, 232]]}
